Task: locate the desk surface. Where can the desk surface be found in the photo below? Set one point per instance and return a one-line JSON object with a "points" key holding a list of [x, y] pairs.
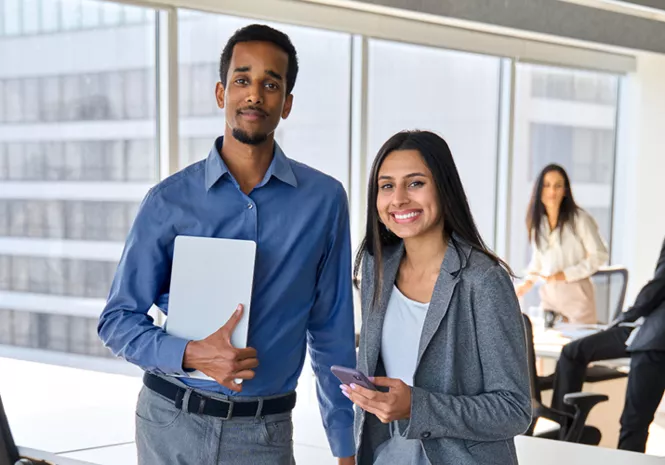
{"points": [[536, 451], [530, 451], [54, 459]]}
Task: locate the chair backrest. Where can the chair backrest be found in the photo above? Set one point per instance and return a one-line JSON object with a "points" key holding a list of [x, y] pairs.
{"points": [[8, 449], [610, 283]]}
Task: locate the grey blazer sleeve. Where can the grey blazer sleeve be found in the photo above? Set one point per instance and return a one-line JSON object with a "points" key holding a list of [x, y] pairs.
{"points": [[503, 410]]}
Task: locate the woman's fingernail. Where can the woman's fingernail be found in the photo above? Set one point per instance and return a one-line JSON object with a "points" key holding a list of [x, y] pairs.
{"points": [[371, 378], [353, 386], [346, 394]]}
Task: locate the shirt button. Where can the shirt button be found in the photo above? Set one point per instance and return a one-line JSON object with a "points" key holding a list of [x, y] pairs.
{"points": [[250, 206], [426, 435]]}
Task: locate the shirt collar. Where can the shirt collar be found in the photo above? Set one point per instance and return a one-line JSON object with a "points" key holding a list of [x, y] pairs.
{"points": [[280, 167]]}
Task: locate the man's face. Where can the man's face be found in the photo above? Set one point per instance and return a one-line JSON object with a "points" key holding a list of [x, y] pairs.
{"points": [[254, 98]]}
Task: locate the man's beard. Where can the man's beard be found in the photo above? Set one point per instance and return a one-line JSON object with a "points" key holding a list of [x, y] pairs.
{"points": [[250, 139]]}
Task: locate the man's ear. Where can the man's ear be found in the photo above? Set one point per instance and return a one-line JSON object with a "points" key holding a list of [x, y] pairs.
{"points": [[219, 94], [288, 104]]}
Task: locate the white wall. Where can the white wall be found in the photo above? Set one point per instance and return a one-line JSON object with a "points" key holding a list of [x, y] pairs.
{"points": [[639, 221]]}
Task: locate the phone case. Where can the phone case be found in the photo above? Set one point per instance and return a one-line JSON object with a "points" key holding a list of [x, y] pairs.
{"points": [[349, 375]]}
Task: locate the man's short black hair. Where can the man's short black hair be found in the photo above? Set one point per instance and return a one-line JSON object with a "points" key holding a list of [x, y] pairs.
{"points": [[261, 33]]}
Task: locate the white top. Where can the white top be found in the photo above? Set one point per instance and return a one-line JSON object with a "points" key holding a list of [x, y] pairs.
{"points": [[577, 253], [402, 327]]}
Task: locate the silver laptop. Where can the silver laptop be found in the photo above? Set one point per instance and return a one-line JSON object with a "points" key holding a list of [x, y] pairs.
{"points": [[209, 278]]}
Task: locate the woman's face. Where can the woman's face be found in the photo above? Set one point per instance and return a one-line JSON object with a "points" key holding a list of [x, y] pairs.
{"points": [[407, 199], [554, 190]]}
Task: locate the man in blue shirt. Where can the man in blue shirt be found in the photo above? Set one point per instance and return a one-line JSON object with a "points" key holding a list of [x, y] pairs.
{"points": [[245, 189]]}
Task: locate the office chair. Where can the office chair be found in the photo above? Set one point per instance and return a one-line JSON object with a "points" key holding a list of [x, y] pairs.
{"points": [[610, 283], [8, 451], [572, 427]]}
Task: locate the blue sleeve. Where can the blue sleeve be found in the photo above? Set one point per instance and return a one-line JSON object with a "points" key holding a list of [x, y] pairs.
{"points": [[143, 272], [330, 332]]}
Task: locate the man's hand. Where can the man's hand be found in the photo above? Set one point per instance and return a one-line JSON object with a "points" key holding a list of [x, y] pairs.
{"points": [[347, 460], [387, 406], [217, 358]]}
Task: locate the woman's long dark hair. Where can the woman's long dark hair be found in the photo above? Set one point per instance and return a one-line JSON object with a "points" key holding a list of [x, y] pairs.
{"points": [[454, 206], [536, 212]]}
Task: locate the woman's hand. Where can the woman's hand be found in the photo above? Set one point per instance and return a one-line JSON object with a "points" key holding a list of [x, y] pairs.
{"points": [[387, 406], [523, 288], [560, 276]]}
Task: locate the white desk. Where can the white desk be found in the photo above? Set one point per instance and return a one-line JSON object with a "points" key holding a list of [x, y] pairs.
{"points": [[54, 459], [535, 451], [530, 451]]}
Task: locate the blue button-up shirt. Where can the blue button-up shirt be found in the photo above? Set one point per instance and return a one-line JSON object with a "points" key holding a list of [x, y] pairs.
{"points": [[298, 218]]}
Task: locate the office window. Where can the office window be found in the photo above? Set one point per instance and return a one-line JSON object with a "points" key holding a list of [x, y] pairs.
{"points": [[71, 98], [136, 101], [323, 82], [115, 155], [20, 274], [71, 14], [74, 160], [13, 101], [185, 90], [453, 94], [554, 124], [204, 77], [90, 14], [4, 217], [34, 166], [34, 218], [17, 218], [95, 104], [75, 220], [111, 14], [54, 219], [30, 16], [15, 161], [3, 101], [50, 15], [25, 329], [12, 15], [93, 158], [5, 272], [31, 108], [115, 95], [51, 99], [134, 14], [3, 162], [55, 162], [140, 160]]}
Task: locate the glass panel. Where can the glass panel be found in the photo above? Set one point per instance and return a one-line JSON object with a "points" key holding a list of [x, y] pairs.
{"points": [[453, 94], [570, 121], [64, 142]]}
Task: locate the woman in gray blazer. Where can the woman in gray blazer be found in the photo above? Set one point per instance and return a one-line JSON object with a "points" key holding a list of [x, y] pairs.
{"points": [[442, 335]]}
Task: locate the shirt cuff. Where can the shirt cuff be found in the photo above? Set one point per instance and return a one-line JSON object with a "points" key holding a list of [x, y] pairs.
{"points": [[172, 352], [341, 442]]}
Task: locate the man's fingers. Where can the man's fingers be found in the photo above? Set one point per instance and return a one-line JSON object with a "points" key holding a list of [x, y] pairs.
{"points": [[247, 364], [231, 324], [243, 354], [244, 374]]}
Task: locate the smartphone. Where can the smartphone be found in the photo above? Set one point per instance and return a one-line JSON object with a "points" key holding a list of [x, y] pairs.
{"points": [[350, 375]]}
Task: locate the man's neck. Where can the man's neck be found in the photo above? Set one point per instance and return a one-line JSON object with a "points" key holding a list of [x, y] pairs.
{"points": [[247, 163]]}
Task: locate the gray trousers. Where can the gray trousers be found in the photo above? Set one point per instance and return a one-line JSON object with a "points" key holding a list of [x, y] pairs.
{"points": [[169, 436]]}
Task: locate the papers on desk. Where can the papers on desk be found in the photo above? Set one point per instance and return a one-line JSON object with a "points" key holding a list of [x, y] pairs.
{"points": [[578, 331]]}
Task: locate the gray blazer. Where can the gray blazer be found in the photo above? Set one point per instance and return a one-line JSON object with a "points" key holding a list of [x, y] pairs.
{"points": [[471, 392]]}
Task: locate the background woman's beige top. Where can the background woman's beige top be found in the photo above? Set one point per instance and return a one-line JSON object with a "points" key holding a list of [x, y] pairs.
{"points": [[578, 253]]}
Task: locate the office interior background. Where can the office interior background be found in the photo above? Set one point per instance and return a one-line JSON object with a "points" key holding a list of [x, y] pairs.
{"points": [[99, 100]]}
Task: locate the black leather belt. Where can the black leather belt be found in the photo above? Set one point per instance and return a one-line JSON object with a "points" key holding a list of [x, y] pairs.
{"points": [[204, 405]]}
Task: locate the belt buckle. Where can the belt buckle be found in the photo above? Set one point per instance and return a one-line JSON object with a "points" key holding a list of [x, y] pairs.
{"points": [[229, 413]]}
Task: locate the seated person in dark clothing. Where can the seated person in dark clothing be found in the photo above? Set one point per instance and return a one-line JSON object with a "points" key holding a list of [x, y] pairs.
{"points": [[644, 342]]}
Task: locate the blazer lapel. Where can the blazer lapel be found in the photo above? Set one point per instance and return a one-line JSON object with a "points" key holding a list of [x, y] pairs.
{"points": [[376, 315], [449, 276]]}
